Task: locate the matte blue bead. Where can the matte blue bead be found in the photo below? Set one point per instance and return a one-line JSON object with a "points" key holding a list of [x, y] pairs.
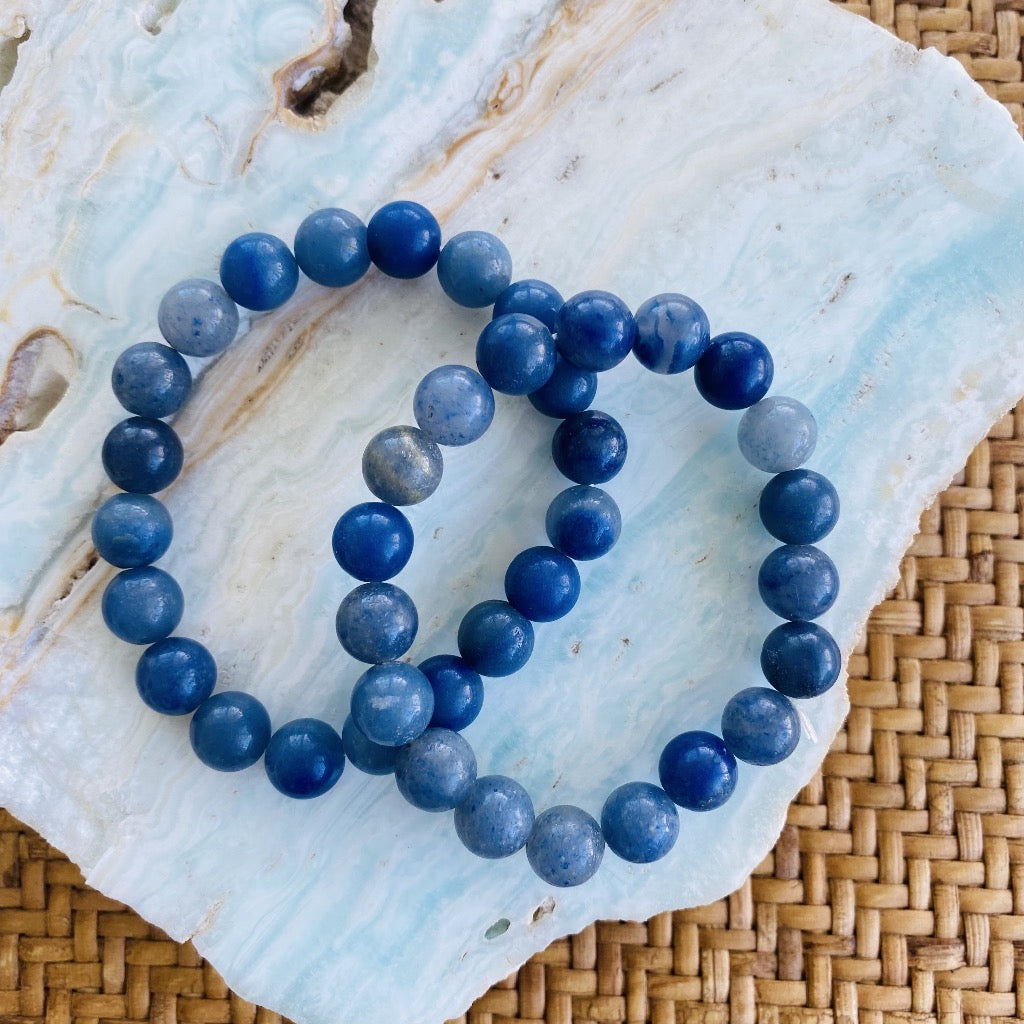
{"points": [[672, 332], [175, 675], [800, 659], [150, 379], [583, 522], [131, 529], [142, 605], [458, 691], [595, 330], [197, 317], [377, 622], [436, 770], [372, 541], [474, 268], [537, 298], [330, 247], [565, 847], [453, 405], [392, 704], [589, 447], [404, 239], [760, 726], [798, 581], [367, 756], [799, 506], [304, 758], [142, 455], [639, 822], [495, 639], [735, 371], [402, 466], [495, 818], [259, 271], [697, 770], [516, 354], [542, 583], [569, 389], [230, 731], [777, 434]]}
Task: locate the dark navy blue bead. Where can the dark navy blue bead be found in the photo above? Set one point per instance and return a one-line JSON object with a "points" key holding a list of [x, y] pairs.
{"points": [[672, 332], [495, 818], [436, 770], [569, 389], [175, 675], [565, 847], [372, 541], [197, 317], [150, 379], [367, 756], [402, 466], [131, 529], [735, 371], [697, 770], [377, 622], [392, 703], [142, 455], [583, 522], [230, 731], [595, 330], [495, 639], [798, 581], [453, 405], [304, 758], [404, 239], [537, 298], [640, 823], [542, 583], [259, 271], [516, 354], [799, 506], [474, 268], [800, 659], [760, 726], [589, 447], [458, 691], [142, 605], [330, 247]]}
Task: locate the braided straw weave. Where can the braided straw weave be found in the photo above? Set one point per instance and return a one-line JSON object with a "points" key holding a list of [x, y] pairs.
{"points": [[896, 891]]}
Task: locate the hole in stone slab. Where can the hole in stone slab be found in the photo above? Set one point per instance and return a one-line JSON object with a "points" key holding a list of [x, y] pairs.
{"points": [[499, 927], [36, 377], [153, 14], [547, 907], [9, 53]]}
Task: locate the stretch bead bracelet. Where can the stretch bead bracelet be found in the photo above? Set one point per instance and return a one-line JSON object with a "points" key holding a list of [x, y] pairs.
{"points": [[406, 719]]}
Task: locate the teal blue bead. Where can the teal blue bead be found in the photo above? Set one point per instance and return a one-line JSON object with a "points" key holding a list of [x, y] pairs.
{"points": [[516, 354], [801, 659], [735, 371], [392, 703], [197, 317], [151, 380], [143, 605], [142, 455], [777, 434], [474, 268], [569, 389], [330, 247], [377, 622], [404, 239], [697, 770], [589, 447], [369, 757], [536, 298], [565, 847], [230, 731], [672, 332], [495, 818], [799, 506], [453, 405], [495, 639], [798, 581], [304, 758], [259, 271], [595, 330], [436, 770], [402, 466], [639, 822], [760, 726], [131, 530], [583, 522], [372, 541], [175, 675]]}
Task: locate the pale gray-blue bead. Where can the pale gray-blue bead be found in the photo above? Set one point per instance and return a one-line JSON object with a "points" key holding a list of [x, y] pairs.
{"points": [[198, 317], [777, 434], [402, 466]]}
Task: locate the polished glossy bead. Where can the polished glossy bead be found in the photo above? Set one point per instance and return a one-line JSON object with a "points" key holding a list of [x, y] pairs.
{"points": [[537, 298], [800, 659], [569, 389], [458, 691], [672, 332], [372, 541], [516, 354], [799, 507], [495, 639], [589, 447], [404, 239], [131, 529], [330, 247], [735, 371], [175, 675], [798, 581], [150, 379], [639, 822], [436, 770], [453, 405], [392, 704], [142, 605], [142, 455], [583, 522], [595, 330], [197, 317], [259, 271], [495, 817], [304, 758], [566, 846], [542, 583], [777, 434], [377, 622], [367, 756], [760, 726], [697, 770], [474, 268], [402, 466], [230, 731]]}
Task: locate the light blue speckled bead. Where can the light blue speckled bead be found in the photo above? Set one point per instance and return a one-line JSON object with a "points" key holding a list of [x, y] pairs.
{"points": [[436, 770], [474, 268], [640, 822], [152, 380], [495, 818], [565, 847], [777, 434], [453, 405], [760, 726], [197, 317], [402, 466]]}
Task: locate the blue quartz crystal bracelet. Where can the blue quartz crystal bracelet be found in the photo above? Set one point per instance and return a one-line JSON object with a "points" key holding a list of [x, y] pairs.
{"points": [[407, 719]]}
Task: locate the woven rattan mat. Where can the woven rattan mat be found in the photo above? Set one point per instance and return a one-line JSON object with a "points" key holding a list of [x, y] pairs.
{"points": [[896, 891]]}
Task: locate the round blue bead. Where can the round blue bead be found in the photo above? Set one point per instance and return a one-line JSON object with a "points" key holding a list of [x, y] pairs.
{"points": [[131, 529], [777, 434], [197, 317], [589, 447], [537, 298], [697, 770], [377, 622], [566, 846], [495, 639], [304, 758], [436, 770], [735, 371], [142, 605], [595, 330], [453, 405], [330, 247], [259, 271], [672, 332], [230, 731], [583, 522], [542, 583], [569, 389], [402, 466], [799, 506], [798, 581], [760, 726], [516, 354], [800, 659], [474, 268], [372, 541], [640, 823], [458, 691], [404, 239], [142, 455], [175, 675], [150, 379], [392, 704], [495, 818], [367, 756]]}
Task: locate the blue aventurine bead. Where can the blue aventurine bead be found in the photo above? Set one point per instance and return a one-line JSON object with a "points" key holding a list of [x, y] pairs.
{"points": [[495, 818], [131, 529], [800, 659], [542, 583], [404, 239], [372, 541], [402, 466], [569, 389], [367, 756], [735, 371], [495, 639], [150, 379], [537, 298], [142, 455], [142, 605], [436, 770], [474, 268], [595, 330], [639, 822], [377, 622], [392, 704], [799, 507], [697, 770], [516, 354], [589, 447], [566, 846], [175, 675], [672, 332], [197, 317], [304, 758], [229, 731], [453, 405], [583, 522], [777, 434], [760, 726], [458, 691], [259, 271], [330, 247], [798, 581]]}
